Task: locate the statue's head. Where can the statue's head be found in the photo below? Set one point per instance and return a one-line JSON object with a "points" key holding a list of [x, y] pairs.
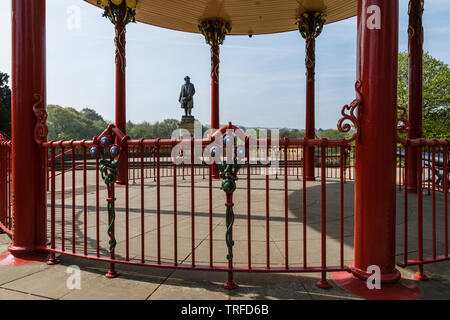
{"points": [[187, 79]]}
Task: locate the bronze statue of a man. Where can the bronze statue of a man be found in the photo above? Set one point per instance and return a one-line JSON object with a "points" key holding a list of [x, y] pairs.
{"points": [[187, 96]]}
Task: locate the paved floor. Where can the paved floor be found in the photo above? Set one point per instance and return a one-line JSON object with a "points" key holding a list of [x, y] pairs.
{"points": [[39, 281]]}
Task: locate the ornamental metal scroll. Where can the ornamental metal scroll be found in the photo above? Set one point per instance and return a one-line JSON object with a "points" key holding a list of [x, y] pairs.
{"points": [[109, 155], [41, 129], [402, 120], [348, 114], [228, 173]]}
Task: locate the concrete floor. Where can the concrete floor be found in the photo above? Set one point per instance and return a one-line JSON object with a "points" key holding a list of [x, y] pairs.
{"points": [[39, 281]]}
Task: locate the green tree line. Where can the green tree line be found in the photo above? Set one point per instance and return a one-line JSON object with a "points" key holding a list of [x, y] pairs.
{"points": [[68, 123]]}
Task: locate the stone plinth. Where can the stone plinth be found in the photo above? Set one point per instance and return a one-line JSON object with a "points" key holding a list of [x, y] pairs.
{"points": [[187, 123]]}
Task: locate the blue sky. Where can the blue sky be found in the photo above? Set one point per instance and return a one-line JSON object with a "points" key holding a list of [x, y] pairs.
{"points": [[262, 78]]}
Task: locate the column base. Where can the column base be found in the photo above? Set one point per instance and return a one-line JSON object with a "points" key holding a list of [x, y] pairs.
{"points": [[120, 183], [21, 250], [385, 278], [310, 178], [19, 258], [401, 290]]}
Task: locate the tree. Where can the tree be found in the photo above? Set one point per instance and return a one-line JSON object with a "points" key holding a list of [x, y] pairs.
{"points": [[68, 123], [91, 114], [5, 104], [331, 134], [436, 94]]}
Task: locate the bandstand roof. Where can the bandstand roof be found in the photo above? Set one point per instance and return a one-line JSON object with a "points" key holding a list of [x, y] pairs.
{"points": [[246, 16]]}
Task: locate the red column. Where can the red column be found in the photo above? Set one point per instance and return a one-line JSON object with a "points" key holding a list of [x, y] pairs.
{"points": [[375, 202], [121, 103], [215, 117], [310, 128], [28, 158], [415, 100]]}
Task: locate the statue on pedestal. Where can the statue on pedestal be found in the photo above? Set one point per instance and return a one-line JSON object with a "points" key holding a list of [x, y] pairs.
{"points": [[187, 97]]}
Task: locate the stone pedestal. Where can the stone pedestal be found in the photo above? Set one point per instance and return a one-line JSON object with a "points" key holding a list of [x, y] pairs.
{"points": [[187, 123]]}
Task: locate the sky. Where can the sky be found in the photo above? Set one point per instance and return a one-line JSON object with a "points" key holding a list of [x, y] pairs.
{"points": [[262, 79]]}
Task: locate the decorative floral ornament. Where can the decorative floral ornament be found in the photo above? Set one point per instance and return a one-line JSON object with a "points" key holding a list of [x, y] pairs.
{"points": [[109, 169], [240, 152], [402, 120], [214, 30], [119, 11], [228, 174], [310, 24], [214, 151], [349, 116], [41, 129]]}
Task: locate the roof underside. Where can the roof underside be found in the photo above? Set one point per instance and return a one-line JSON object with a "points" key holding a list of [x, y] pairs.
{"points": [[246, 16]]}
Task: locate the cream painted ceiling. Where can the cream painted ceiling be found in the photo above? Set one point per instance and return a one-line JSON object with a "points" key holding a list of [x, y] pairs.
{"points": [[246, 16]]}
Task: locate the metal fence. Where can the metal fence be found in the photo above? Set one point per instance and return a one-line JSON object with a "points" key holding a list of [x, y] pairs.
{"points": [[165, 209], [5, 187], [425, 225]]}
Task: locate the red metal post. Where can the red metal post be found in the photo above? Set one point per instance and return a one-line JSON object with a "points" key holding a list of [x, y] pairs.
{"points": [[215, 30], [375, 186], [310, 128], [415, 99], [28, 158], [310, 25], [215, 117], [121, 102], [215, 61]]}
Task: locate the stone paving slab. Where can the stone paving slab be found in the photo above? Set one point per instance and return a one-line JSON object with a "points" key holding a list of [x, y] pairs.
{"points": [[7, 294]]}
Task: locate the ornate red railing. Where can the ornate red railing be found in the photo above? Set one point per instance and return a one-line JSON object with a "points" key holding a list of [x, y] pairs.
{"points": [[76, 227], [5, 185], [429, 243]]}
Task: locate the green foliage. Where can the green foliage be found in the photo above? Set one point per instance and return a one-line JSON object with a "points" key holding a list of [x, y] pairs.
{"points": [[331, 134], [146, 130], [5, 104], [436, 95], [68, 123]]}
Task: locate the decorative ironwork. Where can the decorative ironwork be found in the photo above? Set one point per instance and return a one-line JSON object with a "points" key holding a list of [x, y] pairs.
{"points": [[228, 172], [215, 54], [119, 12], [310, 24], [415, 27], [120, 42], [3, 137], [402, 120], [41, 129], [109, 169], [214, 30], [344, 126]]}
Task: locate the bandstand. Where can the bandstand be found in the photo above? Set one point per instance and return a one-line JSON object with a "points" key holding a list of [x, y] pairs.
{"points": [[370, 199]]}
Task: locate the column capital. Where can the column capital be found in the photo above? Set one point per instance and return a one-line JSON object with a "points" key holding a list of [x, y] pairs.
{"points": [[214, 30], [119, 12], [310, 24]]}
